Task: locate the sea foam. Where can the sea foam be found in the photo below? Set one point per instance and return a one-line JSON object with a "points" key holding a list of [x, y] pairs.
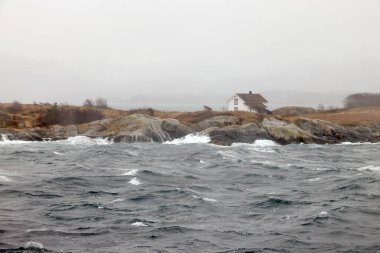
{"points": [[190, 139], [34, 245], [138, 224], [5, 179], [5, 140], [135, 181], [131, 173], [370, 168], [85, 141], [257, 143]]}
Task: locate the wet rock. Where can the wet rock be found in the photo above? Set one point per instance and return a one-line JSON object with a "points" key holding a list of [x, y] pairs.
{"points": [[287, 133], [131, 138], [175, 129], [71, 131], [94, 129], [138, 127], [333, 133], [58, 131], [248, 133]]}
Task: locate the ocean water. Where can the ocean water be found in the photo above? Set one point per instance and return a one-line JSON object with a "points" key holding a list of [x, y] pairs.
{"points": [[84, 195]]}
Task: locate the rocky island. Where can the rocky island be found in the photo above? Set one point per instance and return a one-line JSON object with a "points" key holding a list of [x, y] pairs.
{"points": [[285, 126]]}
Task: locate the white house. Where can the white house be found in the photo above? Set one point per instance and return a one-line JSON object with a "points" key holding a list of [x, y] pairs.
{"points": [[248, 102]]}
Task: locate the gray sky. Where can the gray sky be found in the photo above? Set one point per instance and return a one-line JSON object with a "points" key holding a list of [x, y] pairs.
{"points": [[187, 52]]}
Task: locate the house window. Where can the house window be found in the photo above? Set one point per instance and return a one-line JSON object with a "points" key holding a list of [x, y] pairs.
{"points": [[236, 101], [235, 108]]}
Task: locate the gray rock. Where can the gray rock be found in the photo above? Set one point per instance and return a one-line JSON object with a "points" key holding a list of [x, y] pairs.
{"points": [[138, 127], [71, 131], [330, 132], [248, 133], [217, 121], [94, 129], [287, 133], [58, 131], [175, 129]]}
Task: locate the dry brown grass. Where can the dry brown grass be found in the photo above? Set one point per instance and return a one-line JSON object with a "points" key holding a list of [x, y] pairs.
{"points": [[348, 117], [362, 116]]}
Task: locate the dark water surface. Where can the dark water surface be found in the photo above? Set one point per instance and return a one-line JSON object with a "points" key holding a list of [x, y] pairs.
{"points": [[82, 195]]}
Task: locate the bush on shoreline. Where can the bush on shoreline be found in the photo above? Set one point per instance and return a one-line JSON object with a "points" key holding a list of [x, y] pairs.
{"points": [[66, 115]]}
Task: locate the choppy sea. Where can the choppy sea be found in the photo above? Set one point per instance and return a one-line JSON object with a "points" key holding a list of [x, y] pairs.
{"points": [[91, 195]]}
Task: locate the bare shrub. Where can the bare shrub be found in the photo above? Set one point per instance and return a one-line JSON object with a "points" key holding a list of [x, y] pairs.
{"points": [[15, 107], [101, 103], [321, 108], [88, 103], [148, 111], [66, 115]]}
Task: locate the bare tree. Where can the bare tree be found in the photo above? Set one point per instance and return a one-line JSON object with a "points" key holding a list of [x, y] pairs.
{"points": [[88, 103], [321, 107], [101, 103]]}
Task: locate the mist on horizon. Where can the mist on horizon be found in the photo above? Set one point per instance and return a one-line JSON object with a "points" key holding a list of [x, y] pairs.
{"points": [[187, 53]]}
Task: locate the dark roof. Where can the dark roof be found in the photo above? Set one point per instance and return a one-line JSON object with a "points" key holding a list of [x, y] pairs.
{"points": [[252, 99]]}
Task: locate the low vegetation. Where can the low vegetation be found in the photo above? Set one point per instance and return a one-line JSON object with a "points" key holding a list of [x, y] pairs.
{"points": [[67, 115], [362, 99]]}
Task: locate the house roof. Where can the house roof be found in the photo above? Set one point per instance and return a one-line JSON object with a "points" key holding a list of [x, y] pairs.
{"points": [[252, 99]]}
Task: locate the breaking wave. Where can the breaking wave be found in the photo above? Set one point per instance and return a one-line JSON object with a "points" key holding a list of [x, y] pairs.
{"points": [[190, 139], [76, 140]]}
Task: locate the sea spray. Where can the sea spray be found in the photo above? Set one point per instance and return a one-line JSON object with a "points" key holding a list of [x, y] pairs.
{"points": [[191, 139]]}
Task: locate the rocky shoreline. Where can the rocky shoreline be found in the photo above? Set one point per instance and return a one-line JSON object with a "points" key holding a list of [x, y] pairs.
{"points": [[222, 130]]}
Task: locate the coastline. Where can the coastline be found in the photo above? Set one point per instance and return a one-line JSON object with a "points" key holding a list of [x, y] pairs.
{"points": [[223, 128]]}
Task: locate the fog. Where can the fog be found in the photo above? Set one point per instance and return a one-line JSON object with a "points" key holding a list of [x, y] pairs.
{"points": [[182, 54]]}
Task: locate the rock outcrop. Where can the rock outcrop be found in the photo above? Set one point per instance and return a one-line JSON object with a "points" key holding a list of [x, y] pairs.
{"points": [[287, 133], [248, 133], [217, 121], [329, 132], [223, 130]]}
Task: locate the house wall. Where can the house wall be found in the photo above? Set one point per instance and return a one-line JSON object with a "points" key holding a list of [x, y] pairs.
{"points": [[241, 106]]}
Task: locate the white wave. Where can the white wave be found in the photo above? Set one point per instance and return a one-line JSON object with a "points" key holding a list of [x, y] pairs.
{"points": [[201, 161], [131, 173], [76, 140], [190, 139], [5, 179], [204, 199], [138, 224], [323, 214], [135, 181], [84, 140], [354, 143], [4, 137], [370, 168], [6, 140], [314, 179], [34, 245], [117, 200], [209, 200], [57, 153], [257, 143]]}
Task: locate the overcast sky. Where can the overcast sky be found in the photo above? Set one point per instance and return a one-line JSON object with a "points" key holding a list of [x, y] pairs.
{"points": [[186, 50]]}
